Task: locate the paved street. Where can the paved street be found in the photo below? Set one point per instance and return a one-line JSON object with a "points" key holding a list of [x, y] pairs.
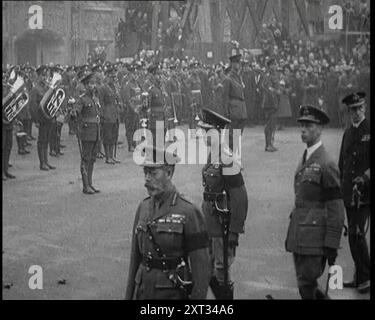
{"points": [[85, 240]]}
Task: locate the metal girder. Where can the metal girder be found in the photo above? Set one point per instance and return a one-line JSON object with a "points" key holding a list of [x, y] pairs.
{"points": [[254, 16]]}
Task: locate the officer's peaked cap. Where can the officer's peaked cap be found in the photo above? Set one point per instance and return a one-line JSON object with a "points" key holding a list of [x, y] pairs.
{"points": [[355, 99], [212, 119], [309, 113]]}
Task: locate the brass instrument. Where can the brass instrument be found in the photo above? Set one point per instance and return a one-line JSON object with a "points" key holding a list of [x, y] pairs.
{"points": [[53, 98], [15, 100]]}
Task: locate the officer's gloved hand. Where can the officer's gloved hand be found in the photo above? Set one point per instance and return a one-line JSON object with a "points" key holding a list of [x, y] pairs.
{"points": [[331, 255], [233, 239]]}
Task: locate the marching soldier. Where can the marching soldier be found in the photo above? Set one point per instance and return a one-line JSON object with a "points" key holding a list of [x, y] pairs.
{"points": [[36, 95], [219, 178], [317, 220], [354, 164], [271, 104], [234, 98], [86, 113], [169, 240]]}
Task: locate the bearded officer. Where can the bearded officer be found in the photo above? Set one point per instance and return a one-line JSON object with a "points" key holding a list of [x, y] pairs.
{"points": [[354, 164], [86, 113], [169, 238], [217, 178], [317, 220]]}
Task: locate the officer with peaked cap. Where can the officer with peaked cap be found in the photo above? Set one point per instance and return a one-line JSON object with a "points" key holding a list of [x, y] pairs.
{"points": [[156, 101], [86, 113], [317, 219], [169, 240], [233, 96], [218, 177], [354, 164]]}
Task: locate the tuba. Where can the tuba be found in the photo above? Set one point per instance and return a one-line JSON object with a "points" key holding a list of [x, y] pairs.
{"points": [[53, 98], [15, 100]]}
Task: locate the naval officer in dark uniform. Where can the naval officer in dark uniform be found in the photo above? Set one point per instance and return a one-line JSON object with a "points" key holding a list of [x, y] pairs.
{"points": [[354, 164], [169, 239], [87, 113], [317, 219]]}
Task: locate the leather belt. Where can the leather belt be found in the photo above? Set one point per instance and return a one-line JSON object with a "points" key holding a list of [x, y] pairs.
{"points": [[91, 120], [161, 264]]}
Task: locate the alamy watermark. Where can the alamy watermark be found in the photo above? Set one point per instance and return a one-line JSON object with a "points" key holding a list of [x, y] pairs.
{"points": [[191, 151]]}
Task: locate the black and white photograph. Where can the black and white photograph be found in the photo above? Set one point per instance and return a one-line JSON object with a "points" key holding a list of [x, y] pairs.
{"points": [[186, 150]]}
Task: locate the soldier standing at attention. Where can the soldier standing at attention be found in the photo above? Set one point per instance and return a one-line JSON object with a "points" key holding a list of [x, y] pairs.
{"points": [[86, 112], [156, 101], [217, 178], [354, 164], [45, 124], [234, 98], [110, 115], [271, 104], [169, 239], [317, 220]]}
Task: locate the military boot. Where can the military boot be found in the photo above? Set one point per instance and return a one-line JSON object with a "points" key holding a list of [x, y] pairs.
{"points": [[90, 169], [45, 154], [221, 291], [43, 165], [6, 165], [112, 153], [85, 179], [108, 158]]}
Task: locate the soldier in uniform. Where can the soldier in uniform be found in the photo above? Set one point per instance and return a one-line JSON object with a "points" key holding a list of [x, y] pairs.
{"points": [[271, 104], [86, 113], [36, 95], [156, 101], [234, 98], [169, 238], [109, 100], [317, 220], [219, 177], [354, 164], [7, 140]]}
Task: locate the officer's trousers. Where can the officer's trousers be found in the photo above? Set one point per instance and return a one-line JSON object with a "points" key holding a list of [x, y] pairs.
{"points": [[308, 269], [357, 241], [88, 157], [44, 136]]}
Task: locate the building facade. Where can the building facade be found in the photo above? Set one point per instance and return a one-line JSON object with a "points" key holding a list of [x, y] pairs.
{"points": [[40, 32]]}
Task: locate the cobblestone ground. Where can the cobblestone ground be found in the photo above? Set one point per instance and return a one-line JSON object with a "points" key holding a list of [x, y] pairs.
{"points": [[85, 240]]}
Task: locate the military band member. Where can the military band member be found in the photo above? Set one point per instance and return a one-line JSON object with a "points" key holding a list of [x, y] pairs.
{"points": [[169, 239], [216, 180], [354, 164], [317, 219], [7, 140], [36, 95], [86, 113]]}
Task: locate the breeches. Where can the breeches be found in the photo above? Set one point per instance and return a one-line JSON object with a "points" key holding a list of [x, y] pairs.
{"points": [[89, 150]]}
